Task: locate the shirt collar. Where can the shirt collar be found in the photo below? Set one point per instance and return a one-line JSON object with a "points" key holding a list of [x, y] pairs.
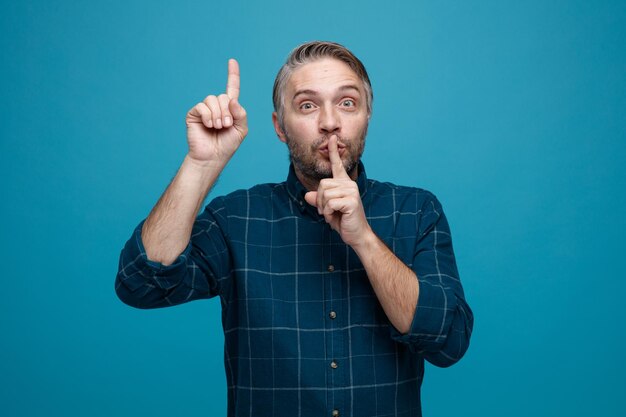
{"points": [[296, 190]]}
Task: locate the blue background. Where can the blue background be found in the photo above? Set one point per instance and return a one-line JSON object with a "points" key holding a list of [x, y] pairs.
{"points": [[512, 113]]}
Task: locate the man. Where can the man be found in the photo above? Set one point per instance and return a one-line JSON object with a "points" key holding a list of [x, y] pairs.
{"points": [[334, 287]]}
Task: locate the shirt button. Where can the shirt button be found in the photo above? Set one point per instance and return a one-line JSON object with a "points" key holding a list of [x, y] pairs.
{"points": [[333, 365], [335, 413], [331, 268], [332, 315]]}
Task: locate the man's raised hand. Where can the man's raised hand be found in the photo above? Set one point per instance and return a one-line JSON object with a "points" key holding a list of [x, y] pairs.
{"points": [[217, 125]]}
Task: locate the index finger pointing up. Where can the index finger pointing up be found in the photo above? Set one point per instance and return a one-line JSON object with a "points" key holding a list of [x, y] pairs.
{"points": [[232, 86], [339, 171]]}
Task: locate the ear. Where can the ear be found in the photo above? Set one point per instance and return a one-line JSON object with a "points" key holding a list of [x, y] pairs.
{"points": [[279, 131]]}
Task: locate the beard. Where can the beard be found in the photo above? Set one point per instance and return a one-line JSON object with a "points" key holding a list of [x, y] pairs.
{"points": [[308, 161]]}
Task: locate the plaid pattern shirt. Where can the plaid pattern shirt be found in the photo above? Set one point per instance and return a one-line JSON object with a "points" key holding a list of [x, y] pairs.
{"points": [[304, 332]]}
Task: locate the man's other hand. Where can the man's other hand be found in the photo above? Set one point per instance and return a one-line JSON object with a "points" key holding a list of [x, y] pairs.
{"points": [[339, 201]]}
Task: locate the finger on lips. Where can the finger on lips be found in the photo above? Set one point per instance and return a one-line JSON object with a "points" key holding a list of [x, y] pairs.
{"points": [[335, 159]]}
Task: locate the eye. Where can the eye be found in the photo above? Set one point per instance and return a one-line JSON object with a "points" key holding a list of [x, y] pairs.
{"points": [[306, 106], [348, 103]]}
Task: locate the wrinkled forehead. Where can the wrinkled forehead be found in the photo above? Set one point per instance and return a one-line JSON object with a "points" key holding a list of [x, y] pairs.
{"points": [[323, 75]]}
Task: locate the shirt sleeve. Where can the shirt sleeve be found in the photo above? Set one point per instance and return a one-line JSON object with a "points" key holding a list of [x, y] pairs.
{"points": [[443, 321], [202, 270]]}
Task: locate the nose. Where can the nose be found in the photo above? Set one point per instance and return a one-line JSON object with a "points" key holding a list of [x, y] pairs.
{"points": [[329, 120]]}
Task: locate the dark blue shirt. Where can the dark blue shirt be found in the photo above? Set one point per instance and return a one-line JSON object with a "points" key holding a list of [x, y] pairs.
{"points": [[304, 332]]}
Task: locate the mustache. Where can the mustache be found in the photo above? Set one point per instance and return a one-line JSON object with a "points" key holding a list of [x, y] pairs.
{"points": [[343, 142]]}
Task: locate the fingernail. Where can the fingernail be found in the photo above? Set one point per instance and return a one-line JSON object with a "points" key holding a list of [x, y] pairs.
{"points": [[210, 124], [218, 123], [227, 121]]}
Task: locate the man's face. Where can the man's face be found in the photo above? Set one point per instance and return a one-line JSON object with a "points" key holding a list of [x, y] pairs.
{"points": [[323, 98]]}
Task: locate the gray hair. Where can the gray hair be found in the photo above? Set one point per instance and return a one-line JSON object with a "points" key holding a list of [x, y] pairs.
{"points": [[312, 51]]}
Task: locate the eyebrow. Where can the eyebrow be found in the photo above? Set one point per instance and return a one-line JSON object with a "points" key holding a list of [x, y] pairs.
{"points": [[314, 93]]}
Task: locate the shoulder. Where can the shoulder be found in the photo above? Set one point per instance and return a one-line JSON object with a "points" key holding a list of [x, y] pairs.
{"points": [[409, 208], [401, 195]]}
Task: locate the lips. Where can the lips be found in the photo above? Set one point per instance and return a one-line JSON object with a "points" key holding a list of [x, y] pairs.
{"points": [[324, 148]]}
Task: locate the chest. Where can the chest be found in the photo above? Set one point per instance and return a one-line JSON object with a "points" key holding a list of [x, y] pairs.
{"points": [[293, 272]]}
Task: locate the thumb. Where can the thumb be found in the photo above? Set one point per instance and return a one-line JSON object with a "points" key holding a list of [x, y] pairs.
{"points": [[311, 198], [238, 112]]}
